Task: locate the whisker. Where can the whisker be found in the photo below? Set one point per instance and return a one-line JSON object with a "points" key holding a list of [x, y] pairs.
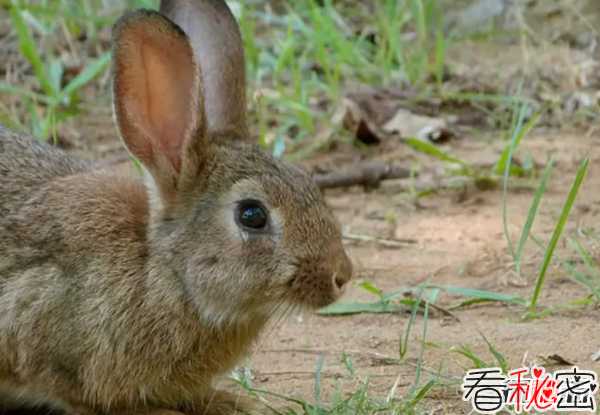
{"points": [[272, 329], [210, 401]]}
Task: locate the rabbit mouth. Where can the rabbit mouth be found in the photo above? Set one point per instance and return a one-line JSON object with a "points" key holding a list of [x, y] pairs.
{"points": [[318, 283], [312, 291]]}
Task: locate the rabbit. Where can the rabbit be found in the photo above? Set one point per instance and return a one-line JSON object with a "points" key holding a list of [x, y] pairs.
{"points": [[127, 294]]}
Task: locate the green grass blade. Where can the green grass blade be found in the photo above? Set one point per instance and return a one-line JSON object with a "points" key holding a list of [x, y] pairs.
{"points": [[465, 350], [397, 293], [420, 359], [414, 400], [434, 151], [403, 345], [86, 76], [55, 73], [440, 53], [36, 123], [482, 295], [586, 258], [348, 363], [504, 161], [23, 93], [531, 215], [29, 49], [349, 308], [371, 288], [511, 148], [558, 232], [318, 380], [581, 278], [50, 12], [362, 397], [560, 308], [499, 357]]}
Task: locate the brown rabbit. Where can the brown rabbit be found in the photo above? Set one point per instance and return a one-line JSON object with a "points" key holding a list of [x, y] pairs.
{"points": [[123, 297]]}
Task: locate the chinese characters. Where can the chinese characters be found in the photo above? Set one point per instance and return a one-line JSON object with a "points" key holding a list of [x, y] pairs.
{"points": [[524, 389]]}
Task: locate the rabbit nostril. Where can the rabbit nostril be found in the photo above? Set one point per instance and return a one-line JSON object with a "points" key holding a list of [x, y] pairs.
{"points": [[344, 274], [342, 270], [340, 281]]}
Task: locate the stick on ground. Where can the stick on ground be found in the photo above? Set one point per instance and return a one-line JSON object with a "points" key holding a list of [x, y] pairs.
{"points": [[368, 174]]}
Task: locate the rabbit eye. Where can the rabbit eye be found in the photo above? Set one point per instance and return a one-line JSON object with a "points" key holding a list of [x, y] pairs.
{"points": [[251, 215]]}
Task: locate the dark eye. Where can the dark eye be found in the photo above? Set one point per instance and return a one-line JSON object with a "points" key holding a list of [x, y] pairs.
{"points": [[252, 215]]}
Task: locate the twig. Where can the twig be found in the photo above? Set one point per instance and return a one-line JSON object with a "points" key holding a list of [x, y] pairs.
{"points": [[444, 311], [295, 374], [360, 353], [394, 243], [368, 174]]}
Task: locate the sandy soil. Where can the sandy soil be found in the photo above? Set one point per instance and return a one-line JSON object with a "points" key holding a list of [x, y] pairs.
{"points": [[460, 244]]}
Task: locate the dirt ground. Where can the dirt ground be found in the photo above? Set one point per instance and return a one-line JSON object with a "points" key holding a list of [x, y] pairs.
{"points": [[454, 251]]}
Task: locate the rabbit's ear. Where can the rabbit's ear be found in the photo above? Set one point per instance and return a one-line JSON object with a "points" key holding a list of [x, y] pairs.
{"points": [[157, 96], [217, 41]]}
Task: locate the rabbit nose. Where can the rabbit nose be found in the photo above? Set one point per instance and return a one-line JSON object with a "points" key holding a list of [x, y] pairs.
{"points": [[340, 281], [343, 273]]}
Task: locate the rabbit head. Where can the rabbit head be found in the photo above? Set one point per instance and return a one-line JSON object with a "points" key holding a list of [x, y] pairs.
{"points": [[245, 234]]}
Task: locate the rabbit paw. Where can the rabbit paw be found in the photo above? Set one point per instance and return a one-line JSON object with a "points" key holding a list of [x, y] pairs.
{"points": [[221, 402], [147, 411]]}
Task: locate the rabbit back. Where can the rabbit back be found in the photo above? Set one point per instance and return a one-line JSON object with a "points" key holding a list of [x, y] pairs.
{"points": [[27, 163]]}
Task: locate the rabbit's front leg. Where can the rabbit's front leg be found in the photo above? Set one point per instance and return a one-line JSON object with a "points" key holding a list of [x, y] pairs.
{"points": [[148, 411], [220, 402]]}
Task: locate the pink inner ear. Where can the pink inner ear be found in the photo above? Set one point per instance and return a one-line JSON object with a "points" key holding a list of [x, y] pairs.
{"points": [[169, 85], [157, 86]]}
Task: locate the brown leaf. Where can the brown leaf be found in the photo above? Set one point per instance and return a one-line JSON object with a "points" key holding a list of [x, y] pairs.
{"points": [[408, 124], [377, 105], [69, 73], [355, 120]]}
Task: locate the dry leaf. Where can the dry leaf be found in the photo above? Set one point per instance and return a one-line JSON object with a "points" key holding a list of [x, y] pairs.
{"points": [[377, 104], [578, 101], [408, 124], [356, 121]]}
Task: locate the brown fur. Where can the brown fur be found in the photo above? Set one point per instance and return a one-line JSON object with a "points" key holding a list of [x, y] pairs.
{"points": [[122, 297]]}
